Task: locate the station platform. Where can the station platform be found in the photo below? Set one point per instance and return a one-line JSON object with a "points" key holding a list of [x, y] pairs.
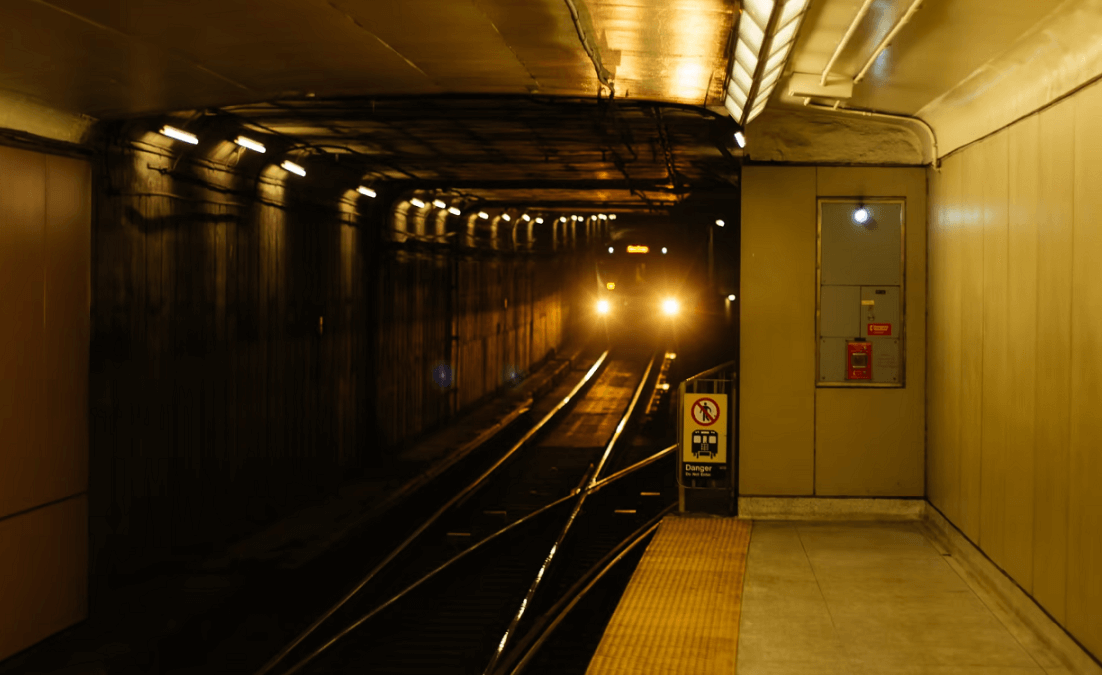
{"points": [[905, 596]]}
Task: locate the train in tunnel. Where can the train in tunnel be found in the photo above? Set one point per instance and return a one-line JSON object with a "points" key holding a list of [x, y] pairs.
{"points": [[647, 284]]}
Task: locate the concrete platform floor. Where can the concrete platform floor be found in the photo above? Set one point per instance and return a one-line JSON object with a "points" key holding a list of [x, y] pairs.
{"points": [[867, 597]]}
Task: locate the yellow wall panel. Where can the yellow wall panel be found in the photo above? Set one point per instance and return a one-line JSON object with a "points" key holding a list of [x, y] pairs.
{"points": [[949, 398], [1054, 260], [1024, 200], [43, 573], [776, 428], [1084, 497], [971, 336], [872, 442], [994, 173], [67, 284], [935, 335], [22, 386]]}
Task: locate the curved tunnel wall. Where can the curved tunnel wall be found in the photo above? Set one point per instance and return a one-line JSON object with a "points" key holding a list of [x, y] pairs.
{"points": [[255, 344]]}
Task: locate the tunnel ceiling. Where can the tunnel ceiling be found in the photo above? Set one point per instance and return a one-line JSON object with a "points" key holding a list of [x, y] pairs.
{"points": [[523, 151], [113, 59]]}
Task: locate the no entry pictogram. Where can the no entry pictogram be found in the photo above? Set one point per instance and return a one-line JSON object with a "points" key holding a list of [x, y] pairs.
{"points": [[705, 412]]}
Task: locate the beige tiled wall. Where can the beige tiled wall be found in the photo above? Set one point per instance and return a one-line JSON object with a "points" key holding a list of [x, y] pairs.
{"points": [[796, 439], [45, 244], [1015, 354]]}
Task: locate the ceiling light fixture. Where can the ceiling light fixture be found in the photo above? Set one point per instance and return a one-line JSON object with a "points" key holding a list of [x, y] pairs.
{"points": [[454, 211], [439, 203], [740, 138], [603, 217], [179, 134], [505, 217], [526, 218], [250, 144], [612, 216], [767, 30], [483, 215], [539, 221], [366, 191], [720, 223], [562, 219], [288, 165], [417, 202]]}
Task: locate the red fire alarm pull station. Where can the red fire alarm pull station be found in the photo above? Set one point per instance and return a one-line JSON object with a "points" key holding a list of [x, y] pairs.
{"points": [[858, 360]]}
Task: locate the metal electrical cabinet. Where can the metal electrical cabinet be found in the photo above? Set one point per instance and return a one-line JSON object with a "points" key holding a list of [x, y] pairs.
{"points": [[860, 311]]}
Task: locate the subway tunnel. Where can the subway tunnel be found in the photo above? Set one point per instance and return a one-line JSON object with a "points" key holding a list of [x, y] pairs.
{"points": [[414, 320]]}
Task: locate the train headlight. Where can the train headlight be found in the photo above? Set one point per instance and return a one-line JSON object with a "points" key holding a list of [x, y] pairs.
{"points": [[670, 306], [602, 306]]}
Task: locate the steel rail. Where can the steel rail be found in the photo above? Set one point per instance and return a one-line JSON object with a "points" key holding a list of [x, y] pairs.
{"points": [[604, 482], [722, 366], [459, 498], [440, 568], [552, 618], [519, 614], [623, 422]]}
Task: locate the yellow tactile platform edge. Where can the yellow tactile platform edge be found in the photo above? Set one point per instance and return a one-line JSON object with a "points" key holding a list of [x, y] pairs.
{"points": [[680, 612]]}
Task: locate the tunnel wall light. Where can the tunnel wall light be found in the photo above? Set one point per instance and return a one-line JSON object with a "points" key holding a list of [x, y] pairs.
{"points": [[611, 249], [526, 218], [562, 219], [179, 134], [767, 29], [288, 165], [539, 221], [417, 202], [720, 223], [250, 144], [439, 203], [612, 216], [603, 217], [740, 138], [483, 215], [366, 191], [505, 217], [454, 211], [665, 250]]}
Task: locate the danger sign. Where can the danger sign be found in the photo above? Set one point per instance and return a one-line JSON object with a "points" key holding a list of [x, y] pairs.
{"points": [[704, 437], [705, 412]]}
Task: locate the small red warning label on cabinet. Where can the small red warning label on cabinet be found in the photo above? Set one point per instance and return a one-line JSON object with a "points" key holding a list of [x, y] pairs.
{"points": [[880, 329]]}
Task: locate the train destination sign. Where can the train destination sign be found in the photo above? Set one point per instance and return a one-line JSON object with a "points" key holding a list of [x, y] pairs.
{"points": [[704, 436]]}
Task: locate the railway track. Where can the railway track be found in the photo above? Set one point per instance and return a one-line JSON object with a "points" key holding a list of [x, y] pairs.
{"points": [[493, 573]]}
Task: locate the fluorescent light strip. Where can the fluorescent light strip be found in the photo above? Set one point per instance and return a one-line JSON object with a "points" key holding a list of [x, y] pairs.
{"points": [[179, 134], [733, 108], [250, 144], [744, 79], [758, 9], [752, 34], [366, 191], [288, 165]]}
